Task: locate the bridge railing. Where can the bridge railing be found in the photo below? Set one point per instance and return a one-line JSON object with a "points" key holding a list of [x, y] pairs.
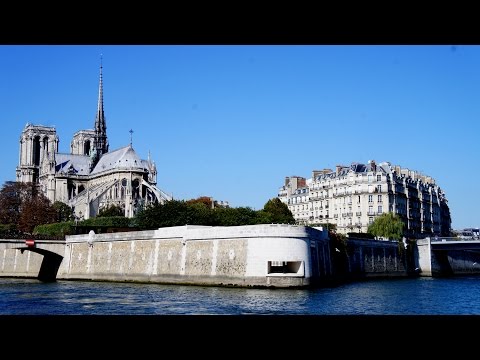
{"points": [[445, 238], [29, 236]]}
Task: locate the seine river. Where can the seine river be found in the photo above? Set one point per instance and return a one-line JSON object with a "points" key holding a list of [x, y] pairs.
{"points": [[419, 296]]}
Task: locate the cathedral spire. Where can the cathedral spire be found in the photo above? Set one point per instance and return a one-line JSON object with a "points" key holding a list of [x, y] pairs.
{"points": [[101, 143]]}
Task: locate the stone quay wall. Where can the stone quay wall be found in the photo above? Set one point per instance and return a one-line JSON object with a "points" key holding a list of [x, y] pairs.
{"points": [[367, 258], [247, 256]]}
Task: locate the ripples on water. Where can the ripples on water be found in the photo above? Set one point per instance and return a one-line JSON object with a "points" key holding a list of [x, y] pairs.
{"points": [[422, 296]]}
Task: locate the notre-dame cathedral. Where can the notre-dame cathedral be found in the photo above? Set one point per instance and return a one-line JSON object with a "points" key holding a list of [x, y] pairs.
{"points": [[90, 177]]}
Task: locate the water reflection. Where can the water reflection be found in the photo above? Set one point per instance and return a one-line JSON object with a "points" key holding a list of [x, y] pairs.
{"points": [[423, 296]]}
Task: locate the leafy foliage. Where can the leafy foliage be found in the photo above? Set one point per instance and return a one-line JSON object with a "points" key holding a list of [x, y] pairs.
{"points": [[23, 204], [207, 201], [278, 212], [112, 221], [173, 213], [105, 225], [11, 196], [64, 212], [55, 229], [35, 211], [388, 225], [111, 210], [235, 216], [26, 208], [199, 212], [8, 230]]}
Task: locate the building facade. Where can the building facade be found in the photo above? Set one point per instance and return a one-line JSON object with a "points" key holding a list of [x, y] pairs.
{"points": [[351, 197], [90, 177]]}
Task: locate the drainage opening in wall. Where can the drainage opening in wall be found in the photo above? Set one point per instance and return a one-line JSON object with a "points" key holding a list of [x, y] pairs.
{"points": [[286, 268]]}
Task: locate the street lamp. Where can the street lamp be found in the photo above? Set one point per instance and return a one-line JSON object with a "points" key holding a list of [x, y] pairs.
{"points": [[79, 217]]}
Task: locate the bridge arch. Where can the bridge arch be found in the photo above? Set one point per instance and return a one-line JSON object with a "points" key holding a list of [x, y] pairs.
{"points": [[50, 264], [39, 246]]}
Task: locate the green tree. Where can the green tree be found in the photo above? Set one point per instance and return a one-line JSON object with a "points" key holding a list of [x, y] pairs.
{"points": [[175, 213], [64, 212], [199, 212], [234, 216], [387, 225], [207, 201], [171, 213], [149, 217], [59, 229], [277, 212], [25, 205], [11, 196], [111, 210], [35, 211]]}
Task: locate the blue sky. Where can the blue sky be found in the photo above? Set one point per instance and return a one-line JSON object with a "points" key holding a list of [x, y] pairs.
{"points": [[232, 121]]}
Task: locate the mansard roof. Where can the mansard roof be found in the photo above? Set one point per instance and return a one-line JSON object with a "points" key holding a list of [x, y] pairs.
{"points": [[124, 158], [72, 164], [356, 168]]}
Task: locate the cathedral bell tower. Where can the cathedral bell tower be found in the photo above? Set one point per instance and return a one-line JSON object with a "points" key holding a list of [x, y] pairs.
{"points": [[36, 143]]}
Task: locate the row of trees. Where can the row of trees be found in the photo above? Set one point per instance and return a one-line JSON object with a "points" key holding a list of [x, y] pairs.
{"points": [[197, 212], [24, 209], [387, 226]]}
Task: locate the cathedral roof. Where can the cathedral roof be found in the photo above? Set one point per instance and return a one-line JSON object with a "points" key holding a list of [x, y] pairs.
{"points": [[124, 158], [72, 164]]}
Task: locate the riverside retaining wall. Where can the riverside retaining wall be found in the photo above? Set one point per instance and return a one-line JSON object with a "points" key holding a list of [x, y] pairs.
{"points": [[248, 256], [252, 255], [374, 258]]}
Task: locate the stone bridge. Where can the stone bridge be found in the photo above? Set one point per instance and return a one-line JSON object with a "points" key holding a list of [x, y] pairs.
{"points": [[448, 256], [51, 255]]}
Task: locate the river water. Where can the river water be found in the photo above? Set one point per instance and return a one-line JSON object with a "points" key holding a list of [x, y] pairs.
{"points": [[417, 296]]}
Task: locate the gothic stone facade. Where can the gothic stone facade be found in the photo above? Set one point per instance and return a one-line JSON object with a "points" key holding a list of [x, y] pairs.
{"points": [[89, 177]]}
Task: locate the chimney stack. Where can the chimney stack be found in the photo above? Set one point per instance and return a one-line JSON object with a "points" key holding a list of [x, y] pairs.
{"points": [[338, 168]]}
